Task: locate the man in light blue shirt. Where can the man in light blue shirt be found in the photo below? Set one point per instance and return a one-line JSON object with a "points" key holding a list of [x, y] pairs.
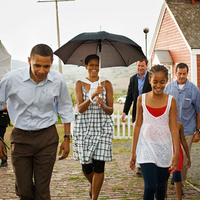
{"points": [[35, 95], [187, 96]]}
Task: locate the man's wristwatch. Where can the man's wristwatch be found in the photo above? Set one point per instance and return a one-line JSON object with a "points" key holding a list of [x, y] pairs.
{"points": [[68, 136], [198, 129]]}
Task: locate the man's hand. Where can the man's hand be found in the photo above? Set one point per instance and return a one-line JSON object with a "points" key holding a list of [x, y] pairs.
{"points": [[196, 137], [188, 163], [64, 149], [123, 117], [2, 151]]}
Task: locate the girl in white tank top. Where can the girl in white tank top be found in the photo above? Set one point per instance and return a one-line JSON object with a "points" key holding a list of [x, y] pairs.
{"points": [[153, 139]]}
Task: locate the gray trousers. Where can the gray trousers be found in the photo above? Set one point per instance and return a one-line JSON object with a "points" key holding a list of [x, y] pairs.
{"points": [[33, 155]]}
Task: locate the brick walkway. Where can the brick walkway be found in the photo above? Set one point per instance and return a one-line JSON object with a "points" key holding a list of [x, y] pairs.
{"points": [[68, 182]]}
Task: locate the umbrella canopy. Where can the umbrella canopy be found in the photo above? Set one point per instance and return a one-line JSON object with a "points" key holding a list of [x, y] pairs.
{"points": [[5, 61], [113, 50]]}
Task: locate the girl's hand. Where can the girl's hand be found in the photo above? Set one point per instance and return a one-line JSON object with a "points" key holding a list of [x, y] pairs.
{"points": [[132, 161], [188, 163], [174, 164]]}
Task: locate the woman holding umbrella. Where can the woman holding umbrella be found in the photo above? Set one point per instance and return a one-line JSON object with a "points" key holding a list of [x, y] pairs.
{"points": [[93, 129]]}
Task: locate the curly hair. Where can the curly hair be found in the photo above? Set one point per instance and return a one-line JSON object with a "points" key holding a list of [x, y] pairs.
{"points": [[158, 68]]}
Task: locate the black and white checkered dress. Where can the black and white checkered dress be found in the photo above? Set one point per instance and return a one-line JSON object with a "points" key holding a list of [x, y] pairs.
{"points": [[93, 133]]}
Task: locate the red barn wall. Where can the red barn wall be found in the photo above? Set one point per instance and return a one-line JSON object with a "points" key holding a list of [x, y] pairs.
{"points": [[169, 38]]}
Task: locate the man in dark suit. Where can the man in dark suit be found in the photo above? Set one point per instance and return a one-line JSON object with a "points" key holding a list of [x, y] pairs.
{"points": [[139, 83]]}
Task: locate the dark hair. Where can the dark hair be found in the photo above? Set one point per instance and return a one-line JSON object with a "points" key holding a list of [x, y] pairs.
{"points": [[89, 57], [143, 59], [42, 50], [182, 66], [158, 68]]}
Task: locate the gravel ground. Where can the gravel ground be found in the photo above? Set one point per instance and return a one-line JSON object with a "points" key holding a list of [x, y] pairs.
{"points": [[120, 182]]}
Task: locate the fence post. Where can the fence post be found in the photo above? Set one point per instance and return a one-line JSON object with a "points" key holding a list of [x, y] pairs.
{"points": [[129, 125], [123, 130], [118, 124]]}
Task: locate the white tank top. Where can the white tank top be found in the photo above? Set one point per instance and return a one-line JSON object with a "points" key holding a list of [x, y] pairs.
{"points": [[155, 141]]}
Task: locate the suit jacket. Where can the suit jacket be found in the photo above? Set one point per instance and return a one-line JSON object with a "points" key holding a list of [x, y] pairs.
{"points": [[132, 94]]}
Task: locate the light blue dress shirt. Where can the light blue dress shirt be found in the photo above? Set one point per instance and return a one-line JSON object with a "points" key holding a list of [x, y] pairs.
{"points": [[33, 106], [141, 83], [188, 104]]}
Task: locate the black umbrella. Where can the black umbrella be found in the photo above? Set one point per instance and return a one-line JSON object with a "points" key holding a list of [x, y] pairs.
{"points": [[113, 50]]}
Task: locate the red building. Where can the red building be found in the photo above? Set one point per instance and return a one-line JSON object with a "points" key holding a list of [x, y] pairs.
{"points": [[177, 37]]}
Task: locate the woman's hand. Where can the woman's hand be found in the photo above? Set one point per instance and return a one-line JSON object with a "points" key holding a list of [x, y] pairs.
{"points": [[99, 101], [99, 90], [132, 161]]}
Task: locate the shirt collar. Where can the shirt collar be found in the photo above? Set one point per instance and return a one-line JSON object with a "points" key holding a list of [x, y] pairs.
{"points": [[185, 86], [26, 74], [143, 76], [28, 77], [50, 76]]}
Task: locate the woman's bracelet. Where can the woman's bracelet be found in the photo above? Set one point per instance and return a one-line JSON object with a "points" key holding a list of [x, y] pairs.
{"points": [[91, 99]]}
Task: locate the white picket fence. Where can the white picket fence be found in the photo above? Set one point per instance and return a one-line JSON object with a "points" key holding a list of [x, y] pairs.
{"points": [[121, 130]]}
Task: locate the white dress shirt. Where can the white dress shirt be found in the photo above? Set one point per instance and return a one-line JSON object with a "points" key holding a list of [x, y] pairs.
{"points": [[33, 106]]}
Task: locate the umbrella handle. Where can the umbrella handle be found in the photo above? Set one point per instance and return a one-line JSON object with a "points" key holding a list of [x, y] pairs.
{"points": [[99, 68], [100, 95]]}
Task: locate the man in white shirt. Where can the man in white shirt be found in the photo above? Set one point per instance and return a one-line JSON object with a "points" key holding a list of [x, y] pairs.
{"points": [[34, 96]]}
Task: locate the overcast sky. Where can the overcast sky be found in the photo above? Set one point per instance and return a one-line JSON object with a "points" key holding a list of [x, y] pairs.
{"points": [[25, 23]]}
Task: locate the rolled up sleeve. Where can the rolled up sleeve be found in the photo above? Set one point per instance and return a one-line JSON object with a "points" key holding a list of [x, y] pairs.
{"points": [[65, 106]]}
